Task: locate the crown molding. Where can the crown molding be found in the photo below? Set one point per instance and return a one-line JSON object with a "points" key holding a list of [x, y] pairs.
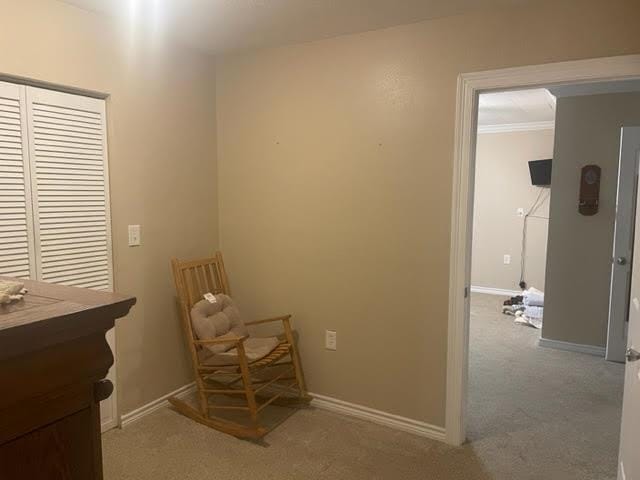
{"points": [[516, 127]]}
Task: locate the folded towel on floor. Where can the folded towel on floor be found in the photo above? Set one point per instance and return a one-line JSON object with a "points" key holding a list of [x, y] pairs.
{"points": [[533, 297], [523, 319], [533, 311]]}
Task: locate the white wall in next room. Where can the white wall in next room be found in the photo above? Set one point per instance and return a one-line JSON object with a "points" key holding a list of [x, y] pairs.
{"points": [[502, 186]]}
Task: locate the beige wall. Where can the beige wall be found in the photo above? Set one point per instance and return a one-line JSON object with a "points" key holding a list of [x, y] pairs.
{"points": [[162, 163], [335, 165], [502, 185], [580, 247], [335, 178]]}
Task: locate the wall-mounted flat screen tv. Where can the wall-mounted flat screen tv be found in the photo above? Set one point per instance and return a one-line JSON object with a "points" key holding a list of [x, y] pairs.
{"points": [[540, 171]]}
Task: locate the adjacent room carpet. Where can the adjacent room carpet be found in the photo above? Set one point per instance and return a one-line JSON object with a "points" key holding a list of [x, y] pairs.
{"points": [[534, 414]]}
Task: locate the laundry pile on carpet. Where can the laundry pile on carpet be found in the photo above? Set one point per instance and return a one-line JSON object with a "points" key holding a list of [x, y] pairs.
{"points": [[528, 308]]}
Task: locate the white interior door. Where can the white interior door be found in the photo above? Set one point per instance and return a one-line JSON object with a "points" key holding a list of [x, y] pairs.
{"points": [[629, 465], [623, 245], [70, 185], [55, 221]]}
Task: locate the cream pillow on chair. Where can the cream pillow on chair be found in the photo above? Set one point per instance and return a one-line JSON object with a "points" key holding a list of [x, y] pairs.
{"points": [[216, 321], [222, 320]]}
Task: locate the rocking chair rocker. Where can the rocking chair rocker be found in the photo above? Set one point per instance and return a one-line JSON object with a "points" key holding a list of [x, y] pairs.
{"points": [[230, 365]]}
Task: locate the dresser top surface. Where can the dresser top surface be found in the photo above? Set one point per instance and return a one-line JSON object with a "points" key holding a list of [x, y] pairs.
{"points": [[45, 301]]}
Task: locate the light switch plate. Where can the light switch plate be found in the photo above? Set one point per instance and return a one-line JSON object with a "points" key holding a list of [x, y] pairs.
{"points": [[507, 259], [134, 235], [330, 340], [520, 212]]}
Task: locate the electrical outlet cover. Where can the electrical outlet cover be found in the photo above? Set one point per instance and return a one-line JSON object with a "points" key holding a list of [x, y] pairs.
{"points": [[330, 340], [134, 235]]}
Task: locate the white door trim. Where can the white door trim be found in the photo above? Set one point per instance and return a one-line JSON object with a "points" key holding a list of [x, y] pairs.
{"points": [[469, 87], [623, 241]]}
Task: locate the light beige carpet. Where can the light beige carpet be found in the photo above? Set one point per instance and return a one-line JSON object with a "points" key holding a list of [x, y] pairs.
{"points": [[550, 414], [535, 414]]}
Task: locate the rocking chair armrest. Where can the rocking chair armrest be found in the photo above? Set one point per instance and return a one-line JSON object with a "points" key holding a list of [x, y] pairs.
{"points": [[282, 318], [222, 341]]}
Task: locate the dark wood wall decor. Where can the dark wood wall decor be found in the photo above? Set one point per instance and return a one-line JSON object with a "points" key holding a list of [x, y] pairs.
{"points": [[589, 190], [54, 358]]}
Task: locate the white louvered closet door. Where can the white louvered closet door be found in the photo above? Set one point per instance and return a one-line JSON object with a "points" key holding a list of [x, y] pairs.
{"points": [[70, 185], [67, 151], [16, 232]]}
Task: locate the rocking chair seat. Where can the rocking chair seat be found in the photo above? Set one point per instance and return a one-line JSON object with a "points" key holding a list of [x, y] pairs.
{"points": [[255, 348]]}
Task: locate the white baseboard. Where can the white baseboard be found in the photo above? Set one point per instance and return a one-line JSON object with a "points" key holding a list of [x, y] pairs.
{"points": [[138, 413], [622, 475], [572, 347], [319, 401], [376, 416], [495, 291]]}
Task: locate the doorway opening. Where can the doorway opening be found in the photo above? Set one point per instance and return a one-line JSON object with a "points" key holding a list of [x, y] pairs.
{"points": [[537, 374], [468, 169]]}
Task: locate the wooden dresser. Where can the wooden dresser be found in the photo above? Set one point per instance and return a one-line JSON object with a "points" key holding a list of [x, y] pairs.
{"points": [[53, 362]]}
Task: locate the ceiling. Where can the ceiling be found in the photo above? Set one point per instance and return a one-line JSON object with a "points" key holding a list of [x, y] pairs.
{"points": [[218, 26], [530, 107]]}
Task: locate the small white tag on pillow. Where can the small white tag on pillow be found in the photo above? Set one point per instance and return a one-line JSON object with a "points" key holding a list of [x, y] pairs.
{"points": [[210, 297]]}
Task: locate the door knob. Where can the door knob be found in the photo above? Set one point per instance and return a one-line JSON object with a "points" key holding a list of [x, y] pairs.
{"points": [[632, 355], [621, 260]]}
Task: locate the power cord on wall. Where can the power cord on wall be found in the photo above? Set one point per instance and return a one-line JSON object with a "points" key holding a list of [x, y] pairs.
{"points": [[540, 199]]}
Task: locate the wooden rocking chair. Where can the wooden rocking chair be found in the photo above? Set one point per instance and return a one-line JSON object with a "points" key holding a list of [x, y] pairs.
{"points": [[241, 386]]}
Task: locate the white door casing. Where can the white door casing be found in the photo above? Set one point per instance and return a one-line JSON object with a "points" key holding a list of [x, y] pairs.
{"points": [[622, 248], [629, 464]]}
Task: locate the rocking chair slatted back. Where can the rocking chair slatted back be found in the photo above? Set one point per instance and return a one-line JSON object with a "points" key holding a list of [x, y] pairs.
{"points": [[194, 278]]}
